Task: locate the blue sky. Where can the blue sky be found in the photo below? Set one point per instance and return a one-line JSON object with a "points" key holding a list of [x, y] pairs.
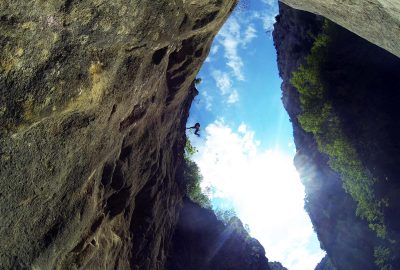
{"points": [[246, 145], [248, 92]]}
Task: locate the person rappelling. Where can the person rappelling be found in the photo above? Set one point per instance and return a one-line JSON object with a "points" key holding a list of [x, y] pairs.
{"points": [[196, 128]]}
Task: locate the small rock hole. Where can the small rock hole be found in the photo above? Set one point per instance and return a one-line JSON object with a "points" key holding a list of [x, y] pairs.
{"points": [[118, 179], [159, 55], [198, 53], [107, 173]]}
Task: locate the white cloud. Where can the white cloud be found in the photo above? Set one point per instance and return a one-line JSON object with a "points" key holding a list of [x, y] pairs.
{"points": [[268, 21], [267, 14], [233, 97], [214, 49], [265, 189], [208, 100], [224, 83], [222, 80], [249, 34], [242, 128], [230, 38], [233, 38]]}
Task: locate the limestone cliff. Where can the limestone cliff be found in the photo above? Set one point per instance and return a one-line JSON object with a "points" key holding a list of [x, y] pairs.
{"points": [[93, 106], [375, 20], [361, 88], [202, 242]]}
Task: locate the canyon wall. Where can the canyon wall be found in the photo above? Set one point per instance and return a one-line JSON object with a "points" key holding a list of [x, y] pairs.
{"points": [[361, 89], [94, 98], [375, 20], [94, 101]]}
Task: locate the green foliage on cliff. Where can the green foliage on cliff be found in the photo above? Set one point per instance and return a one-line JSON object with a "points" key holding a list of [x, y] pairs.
{"points": [[193, 177], [319, 118], [383, 257], [190, 150], [197, 81]]}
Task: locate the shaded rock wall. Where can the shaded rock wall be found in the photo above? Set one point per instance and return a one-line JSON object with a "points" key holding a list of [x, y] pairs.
{"points": [[202, 242], [361, 79], [362, 83], [375, 20], [93, 106], [276, 266], [325, 264]]}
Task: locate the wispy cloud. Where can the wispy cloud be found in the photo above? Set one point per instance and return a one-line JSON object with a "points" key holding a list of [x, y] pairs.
{"points": [[266, 15], [249, 34], [208, 99], [268, 21], [214, 49], [232, 162], [230, 38], [222, 80], [224, 83], [233, 97], [233, 36]]}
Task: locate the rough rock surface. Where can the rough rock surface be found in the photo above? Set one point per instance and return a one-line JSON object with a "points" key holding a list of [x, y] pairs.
{"points": [[276, 266], [375, 20], [325, 264], [94, 97], [202, 242], [364, 87]]}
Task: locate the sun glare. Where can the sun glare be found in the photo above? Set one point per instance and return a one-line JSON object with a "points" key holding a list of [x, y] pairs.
{"points": [[264, 188]]}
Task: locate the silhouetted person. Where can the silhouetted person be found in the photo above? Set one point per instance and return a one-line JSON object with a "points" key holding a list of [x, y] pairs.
{"points": [[196, 128]]}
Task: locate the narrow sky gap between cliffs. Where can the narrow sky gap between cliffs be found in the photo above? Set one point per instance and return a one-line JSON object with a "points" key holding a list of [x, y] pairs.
{"points": [[246, 146]]}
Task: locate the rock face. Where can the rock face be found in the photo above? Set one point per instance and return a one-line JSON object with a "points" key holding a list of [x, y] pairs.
{"points": [[325, 264], [94, 98], [362, 87], [293, 42], [276, 266], [93, 106], [375, 20], [202, 242]]}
